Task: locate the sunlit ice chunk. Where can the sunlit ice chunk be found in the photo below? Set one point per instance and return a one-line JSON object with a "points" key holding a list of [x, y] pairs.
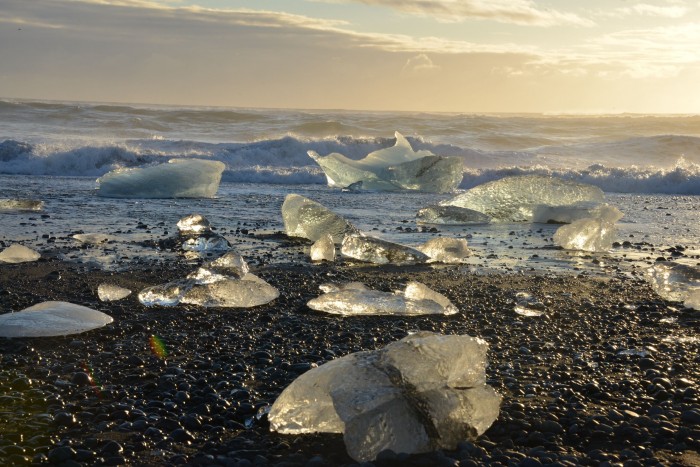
{"points": [[17, 253], [308, 219], [446, 250], [231, 264], [247, 292], [590, 234], [676, 282], [323, 249], [9, 204], [396, 168], [515, 199], [110, 292], [206, 244], [179, 178], [194, 224], [52, 319], [378, 251], [450, 215]]}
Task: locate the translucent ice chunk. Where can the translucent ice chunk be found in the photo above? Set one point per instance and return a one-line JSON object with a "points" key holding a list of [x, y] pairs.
{"points": [[308, 219], [565, 214], [375, 250], [590, 234], [446, 250], [194, 224], [450, 215], [111, 292], [232, 293], [394, 168], [676, 282], [7, 204], [17, 253], [168, 294], [230, 264], [528, 305], [356, 299], [51, 319], [206, 244], [179, 178], [323, 249], [424, 392], [515, 199]]}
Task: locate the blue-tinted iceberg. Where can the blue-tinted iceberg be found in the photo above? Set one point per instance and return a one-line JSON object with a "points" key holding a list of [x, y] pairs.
{"points": [[396, 168], [51, 319], [179, 178]]}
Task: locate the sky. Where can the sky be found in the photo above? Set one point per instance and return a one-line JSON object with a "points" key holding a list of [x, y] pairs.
{"points": [[545, 56]]}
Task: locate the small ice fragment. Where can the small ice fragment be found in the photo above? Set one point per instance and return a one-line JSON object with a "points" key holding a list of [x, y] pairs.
{"points": [[17, 253], [232, 293], [418, 291], [168, 294], [527, 305], [308, 219], [111, 292], [323, 249], [375, 250], [212, 243], [676, 282], [194, 224], [450, 215], [633, 352], [179, 178], [230, 264], [425, 392], [515, 199], [7, 204], [446, 250], [590, 234], [205, 276], [92, 238], [51, 319]]}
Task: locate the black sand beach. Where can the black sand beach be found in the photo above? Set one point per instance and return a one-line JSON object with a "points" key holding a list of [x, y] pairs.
{"points": [[597, 380]]}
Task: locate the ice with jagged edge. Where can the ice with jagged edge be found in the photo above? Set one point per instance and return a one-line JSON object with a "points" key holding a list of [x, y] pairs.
{"points": [[395, 168], [179, 178], [425, 392], [20, 204], [323, 249], [676, 282], [308, 219], [567, 214], [594, 234], [17, 253], [194, 224], [48, 319], [356, 299], [378, 251], [450, 215], [231, 264], [111, 292], [446, 250], [518, 198]]}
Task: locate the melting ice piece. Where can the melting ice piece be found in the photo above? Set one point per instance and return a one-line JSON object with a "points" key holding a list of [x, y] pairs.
{"points": [[247, 292], [527, 305], [17, 253], [394, 168], [179, 178], [450, 215], [676, 282], [111, 292], [425, 392], [230, 264], [355, 299], [446, 250], [308, 219], [515, 199], [206, 244], [7, 204], [51, 319], [590, 234], [194, 224], [92, 238], [168, 294], [375, 250], [323, 249]]}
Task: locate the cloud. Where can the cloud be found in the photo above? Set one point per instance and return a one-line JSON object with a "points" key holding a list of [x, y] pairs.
{"points": [[420, 63], [646, 9], [521, 12]]}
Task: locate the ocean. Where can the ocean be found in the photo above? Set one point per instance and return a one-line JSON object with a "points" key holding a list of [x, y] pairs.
{"points": [[648, 166]]}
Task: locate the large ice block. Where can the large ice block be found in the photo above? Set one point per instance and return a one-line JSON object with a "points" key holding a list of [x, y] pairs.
{"points": [[425, 392], [676, 282], [516, 199], [19, 204], [355, 299], [179, 178], [51, 319], [17, 253], [446, 250], [308, 219], [450, 215], [378, 251], [396, 168], [595, 234]]}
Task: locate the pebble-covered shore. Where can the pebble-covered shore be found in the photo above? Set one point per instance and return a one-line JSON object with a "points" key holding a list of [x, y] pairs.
{"points": [[608, 375]]}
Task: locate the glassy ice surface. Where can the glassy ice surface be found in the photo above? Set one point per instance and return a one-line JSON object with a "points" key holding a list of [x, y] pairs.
{"points": [[230, 264], [516, 199], [450, 215], [194, 224], [356, 299], [110, 292], [527, 305], [446, 250], [168, 294], [323, 249], [179, 178], [676, 282], [8, 204], [246, 292], [51, 319], [427, 391], [17, 253], [396, 168], [565, 214], [595, 234], [308, 219], [378, 251], [213, 243]]}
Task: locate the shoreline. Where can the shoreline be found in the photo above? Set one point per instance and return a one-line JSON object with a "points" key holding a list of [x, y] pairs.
{"points": [[601, 376]]}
